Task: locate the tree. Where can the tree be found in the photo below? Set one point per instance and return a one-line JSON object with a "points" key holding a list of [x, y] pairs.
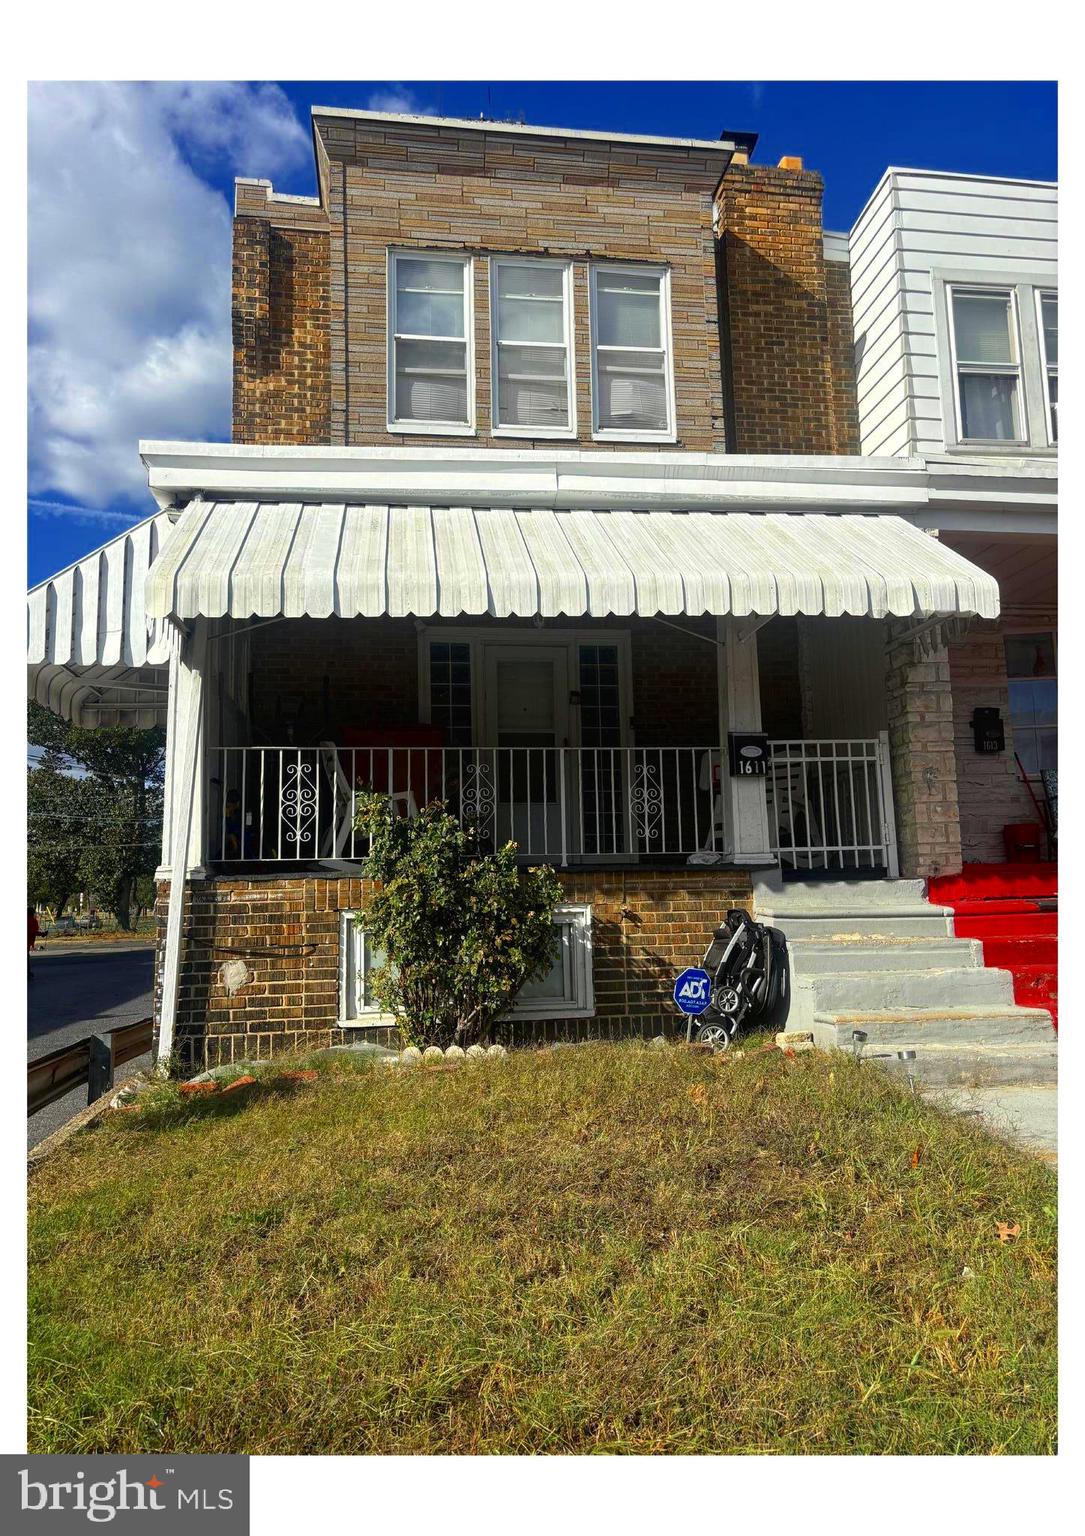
{"points": [[56, 812], [108, 808], [462, 931]]}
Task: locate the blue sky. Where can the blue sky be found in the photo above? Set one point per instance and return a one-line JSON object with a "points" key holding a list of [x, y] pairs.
{"points": [[131, 190]]}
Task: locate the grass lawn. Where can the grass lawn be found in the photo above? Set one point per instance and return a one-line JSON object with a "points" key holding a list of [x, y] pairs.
{"points": [[602, 1248]]}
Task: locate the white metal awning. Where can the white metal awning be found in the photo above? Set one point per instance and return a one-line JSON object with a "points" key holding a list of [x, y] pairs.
{"points": [[289, 559], [92, 653]]}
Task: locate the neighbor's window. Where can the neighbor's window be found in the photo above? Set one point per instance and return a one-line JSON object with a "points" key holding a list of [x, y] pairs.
{"points": [[566, 991], [1049, 331], [632, 387], [988, 363], [1033, 682], [430, 359], [531, 319], [358, 959]]}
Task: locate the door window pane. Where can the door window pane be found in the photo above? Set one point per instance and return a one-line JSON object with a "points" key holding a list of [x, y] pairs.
{"points": [[450, 690], [1033, 691]]}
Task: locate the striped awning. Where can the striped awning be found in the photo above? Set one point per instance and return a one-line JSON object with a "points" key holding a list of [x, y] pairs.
{"points": [[92, 653], [272, 559]]}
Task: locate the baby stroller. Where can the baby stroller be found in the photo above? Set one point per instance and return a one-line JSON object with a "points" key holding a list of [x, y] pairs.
{"points": [[746, 966]]}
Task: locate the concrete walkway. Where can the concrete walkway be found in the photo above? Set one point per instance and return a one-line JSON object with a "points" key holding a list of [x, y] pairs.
{"points": [[1022, 1113]]}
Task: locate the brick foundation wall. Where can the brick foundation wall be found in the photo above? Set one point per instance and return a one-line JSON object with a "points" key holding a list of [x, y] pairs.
{"points": [[924, 765], [280, 321], [989, 788], [789, 387], [646, 926]]}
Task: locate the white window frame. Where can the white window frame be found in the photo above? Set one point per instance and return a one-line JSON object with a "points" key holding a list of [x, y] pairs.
{"points": [[1024, 284], [575, 922], [431, 428], [616, 434], [496, 429], [1046, 369], [1015, 371], [353, 945]]}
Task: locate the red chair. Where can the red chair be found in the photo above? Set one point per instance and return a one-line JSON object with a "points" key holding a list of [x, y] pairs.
{"points": [[394, 760]]}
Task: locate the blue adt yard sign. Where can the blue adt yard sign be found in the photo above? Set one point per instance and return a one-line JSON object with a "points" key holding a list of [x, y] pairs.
{"points": [[693, 990]]}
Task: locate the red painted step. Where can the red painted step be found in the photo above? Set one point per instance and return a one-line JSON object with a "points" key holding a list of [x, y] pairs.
{"points": [[1013, 910]]}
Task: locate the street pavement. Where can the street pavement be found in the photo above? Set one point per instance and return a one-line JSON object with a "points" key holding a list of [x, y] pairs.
{"points": [[79, 990]]}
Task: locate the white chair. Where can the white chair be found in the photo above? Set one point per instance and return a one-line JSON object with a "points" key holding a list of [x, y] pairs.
{"points": [[342, 825]]}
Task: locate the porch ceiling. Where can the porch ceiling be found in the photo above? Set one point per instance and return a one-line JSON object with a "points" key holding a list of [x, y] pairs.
{"points": [[290, 559]]}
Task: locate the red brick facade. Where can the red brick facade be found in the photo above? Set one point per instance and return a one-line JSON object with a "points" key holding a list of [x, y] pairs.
{"points": [[646, 926], [790, 378]]}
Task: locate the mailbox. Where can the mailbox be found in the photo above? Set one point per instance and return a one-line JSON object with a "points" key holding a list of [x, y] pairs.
{"points": [[988, 730], [748, 754]]}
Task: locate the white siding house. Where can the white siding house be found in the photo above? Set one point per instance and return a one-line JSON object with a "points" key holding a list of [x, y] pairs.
{"points": [[922, 237]]}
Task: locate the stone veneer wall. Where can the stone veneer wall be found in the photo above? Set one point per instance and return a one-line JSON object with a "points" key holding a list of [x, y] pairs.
{"points": [[647, 925], [921, 744]]}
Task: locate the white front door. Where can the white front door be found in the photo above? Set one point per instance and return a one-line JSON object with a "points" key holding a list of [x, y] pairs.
{"points": [[526, 722]]}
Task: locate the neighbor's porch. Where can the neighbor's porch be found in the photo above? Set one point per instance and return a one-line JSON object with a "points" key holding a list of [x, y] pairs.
{"points": [[597, 744]]}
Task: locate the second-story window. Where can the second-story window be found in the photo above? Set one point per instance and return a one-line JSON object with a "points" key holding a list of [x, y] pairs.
{"points": [[1049, 329], [431, 383], [531, 320], [632, 385], [987, 358]]}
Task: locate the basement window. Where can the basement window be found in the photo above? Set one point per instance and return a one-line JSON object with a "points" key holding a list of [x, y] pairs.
{"points": [[431, 385], [566, 991], [358, 959]]}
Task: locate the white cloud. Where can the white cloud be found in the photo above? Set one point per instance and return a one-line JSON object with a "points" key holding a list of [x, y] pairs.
{"points": [[129, 275], [397, 98]]}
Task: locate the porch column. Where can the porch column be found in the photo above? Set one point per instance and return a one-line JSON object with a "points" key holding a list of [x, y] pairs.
{"points": [[745, 801], [184, 775], [919, 699]]}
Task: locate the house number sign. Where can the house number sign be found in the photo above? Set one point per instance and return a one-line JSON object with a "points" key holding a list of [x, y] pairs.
{"points": [[748, 754]]}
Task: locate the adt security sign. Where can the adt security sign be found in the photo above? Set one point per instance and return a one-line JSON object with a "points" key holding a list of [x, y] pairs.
{"points": [[693, 990]]}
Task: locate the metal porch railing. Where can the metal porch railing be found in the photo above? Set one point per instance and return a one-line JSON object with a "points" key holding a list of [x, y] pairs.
{"points": [[830, 805], [558, 803]]}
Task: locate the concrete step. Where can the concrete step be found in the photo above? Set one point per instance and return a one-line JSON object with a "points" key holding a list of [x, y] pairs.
{"points": [[890, 990], [907, 923], [819, 957], [979, 1066], [911, 1028], [850, 895]]}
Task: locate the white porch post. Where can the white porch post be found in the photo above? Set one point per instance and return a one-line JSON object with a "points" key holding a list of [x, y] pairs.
{"points": [[745, 801], [184, 757]]}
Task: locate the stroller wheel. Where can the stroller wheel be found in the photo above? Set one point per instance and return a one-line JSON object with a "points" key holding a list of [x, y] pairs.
{"points": [[727, 1000], [716, 1035]]}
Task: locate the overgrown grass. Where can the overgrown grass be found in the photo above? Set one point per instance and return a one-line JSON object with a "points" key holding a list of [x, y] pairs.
{"points": [[604, 1248]]}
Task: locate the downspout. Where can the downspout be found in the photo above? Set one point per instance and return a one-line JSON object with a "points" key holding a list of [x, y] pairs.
{"points": [[186, 658]]}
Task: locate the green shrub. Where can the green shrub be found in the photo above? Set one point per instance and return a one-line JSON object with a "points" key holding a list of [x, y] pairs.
{"points": [[462, 931]]}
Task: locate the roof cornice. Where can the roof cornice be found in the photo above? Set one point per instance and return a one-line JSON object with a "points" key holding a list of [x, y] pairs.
{"points": [[725, 148]]}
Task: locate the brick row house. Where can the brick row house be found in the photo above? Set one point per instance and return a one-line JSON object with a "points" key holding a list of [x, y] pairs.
{"points": [[549, 495]]}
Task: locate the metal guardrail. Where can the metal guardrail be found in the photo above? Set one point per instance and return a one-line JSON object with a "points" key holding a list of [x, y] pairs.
{"points": [[93, 1061]]}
